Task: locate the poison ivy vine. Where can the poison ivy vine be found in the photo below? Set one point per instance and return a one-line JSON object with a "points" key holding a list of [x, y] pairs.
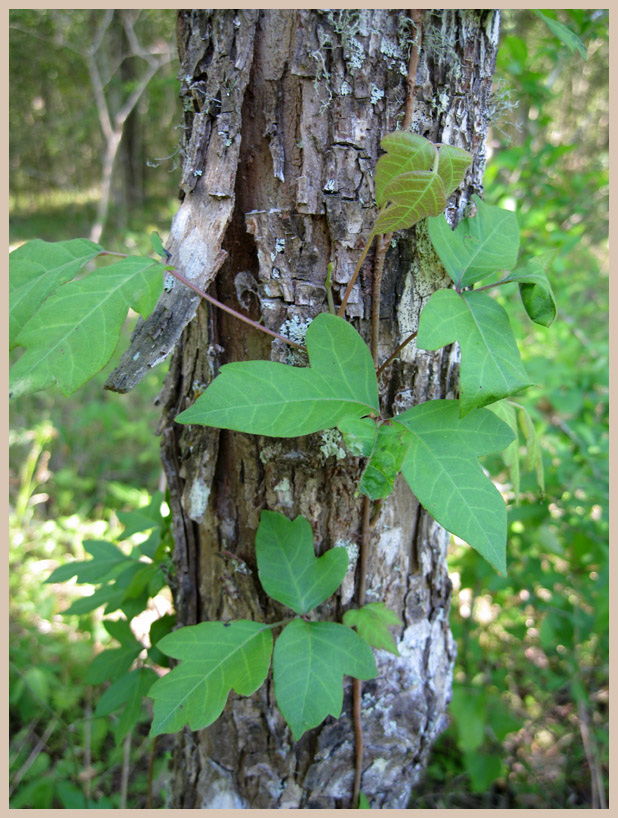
{"points": [[68, 327]]}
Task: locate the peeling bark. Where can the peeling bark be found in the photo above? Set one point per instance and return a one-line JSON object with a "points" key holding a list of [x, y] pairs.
{"points": [[285, 112]]}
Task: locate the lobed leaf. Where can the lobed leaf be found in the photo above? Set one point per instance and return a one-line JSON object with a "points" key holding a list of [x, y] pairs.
{"points": [[309, 662], [287, 566], [372, 622], [74, 333], [142, 519], [37, 269], [268, 398], [478, 246], [106, 558], [442, 469], [405, 152], [491, 367], [413, 196], [216, 657]]}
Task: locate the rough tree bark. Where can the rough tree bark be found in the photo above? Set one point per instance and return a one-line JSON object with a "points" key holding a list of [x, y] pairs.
{"points": [[284, 112]]}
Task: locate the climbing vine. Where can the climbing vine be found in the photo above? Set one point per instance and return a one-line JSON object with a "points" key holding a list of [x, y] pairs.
{"points": [[68, 327]]}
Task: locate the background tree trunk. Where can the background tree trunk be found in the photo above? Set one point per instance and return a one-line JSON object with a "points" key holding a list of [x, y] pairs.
{"points": [[284, 113]]}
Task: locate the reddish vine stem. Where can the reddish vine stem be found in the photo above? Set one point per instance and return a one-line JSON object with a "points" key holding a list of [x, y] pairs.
{"points": [[396, 353], [378, 269], [229, 310]]}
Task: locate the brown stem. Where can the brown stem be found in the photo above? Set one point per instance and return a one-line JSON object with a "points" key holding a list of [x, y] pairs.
{"points": [[238, 315], [396, 353], [151, 760], [378, 270], [352, 281], [417, 16]]}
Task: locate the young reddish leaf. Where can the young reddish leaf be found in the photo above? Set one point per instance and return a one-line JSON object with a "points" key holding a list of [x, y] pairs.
{"points": [[452, 166], [404, 152], [412, 196]]}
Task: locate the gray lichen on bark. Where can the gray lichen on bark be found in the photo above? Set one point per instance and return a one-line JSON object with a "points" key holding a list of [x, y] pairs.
{"points": [[314, 92]]}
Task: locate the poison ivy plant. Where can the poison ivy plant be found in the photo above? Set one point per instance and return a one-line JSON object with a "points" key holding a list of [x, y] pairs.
{"points": [[70, 327], [372, 622], [309, 658]]}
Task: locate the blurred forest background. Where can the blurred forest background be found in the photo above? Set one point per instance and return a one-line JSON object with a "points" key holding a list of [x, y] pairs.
{"points": [[95, 129]]}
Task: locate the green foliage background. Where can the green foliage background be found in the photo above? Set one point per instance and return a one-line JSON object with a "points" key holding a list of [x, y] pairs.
{"points": [[530, 702]]}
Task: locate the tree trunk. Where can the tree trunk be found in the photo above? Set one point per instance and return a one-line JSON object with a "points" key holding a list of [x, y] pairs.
{"points": [[285, 110]]}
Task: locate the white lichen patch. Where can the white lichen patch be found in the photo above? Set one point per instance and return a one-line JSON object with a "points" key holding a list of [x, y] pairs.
{"points": [[348, 586], [390, 545], [345, 89], [376, 94], [283, 490], [198, 500], [295, 329], [331, 444]]}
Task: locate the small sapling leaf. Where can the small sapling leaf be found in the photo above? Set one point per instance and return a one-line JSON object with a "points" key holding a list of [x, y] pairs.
{"points": [[309, 662], [36, 270], [507, 413], [216, 657], [268, 398], [372, 622], [288, 568], [479, 246], [75, 331], [491, 367], [127, 693]]}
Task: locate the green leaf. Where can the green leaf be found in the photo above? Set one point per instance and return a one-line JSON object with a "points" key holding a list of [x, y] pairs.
{"points": [[106, 557], [216, 657], [412, 197], [452, 166], [120, 630], [391, 446], [491, 367], [268, 398], [405, 152], [74, 333], [142, 519], [535, 290], [363, 801], [359, 435], [309, 661], [442, 470], [564, 34], [534, 455], [287, 566], [483, 769], [469, 708], [127, 692], [112, 663], [36, 269], [372, 622], [508, 414], [157, 245], [478, 246]]}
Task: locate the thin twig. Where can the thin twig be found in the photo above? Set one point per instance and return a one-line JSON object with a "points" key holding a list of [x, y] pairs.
{"points": [[38, 748], [396, 353], [151, 761], [126, 764], [229, 310], [352, 281]]}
